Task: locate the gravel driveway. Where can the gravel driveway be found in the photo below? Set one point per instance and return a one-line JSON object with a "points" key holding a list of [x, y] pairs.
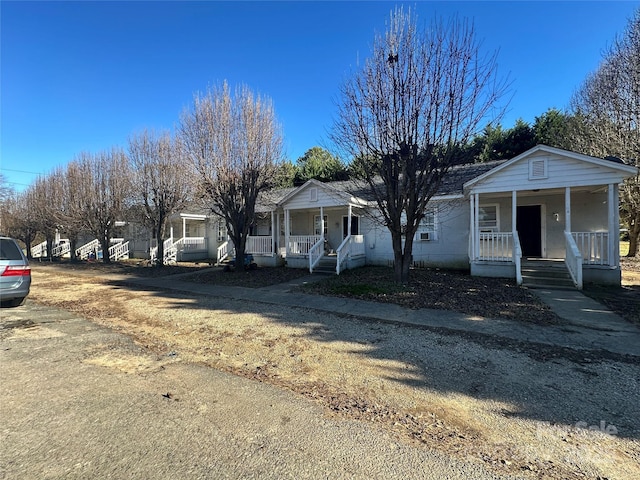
{"points": [[80, 401], [530, 411]]}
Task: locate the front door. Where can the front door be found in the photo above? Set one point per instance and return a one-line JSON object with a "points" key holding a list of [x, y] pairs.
{"points": [[355, 228], [529, 227]]}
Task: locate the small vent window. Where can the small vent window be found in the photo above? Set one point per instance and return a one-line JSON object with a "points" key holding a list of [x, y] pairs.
{"points": [[537, 168], [313, 194]]}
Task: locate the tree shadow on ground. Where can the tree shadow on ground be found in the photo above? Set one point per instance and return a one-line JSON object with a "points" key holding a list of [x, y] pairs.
{"points": [[516, 379]]}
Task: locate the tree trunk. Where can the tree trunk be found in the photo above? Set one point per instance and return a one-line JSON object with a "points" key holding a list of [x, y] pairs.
{"points": [[160, 242], [73, 242], [240, 245], [401, 259], [28, 240], [104, 243], [634, 237], [50, 241]]}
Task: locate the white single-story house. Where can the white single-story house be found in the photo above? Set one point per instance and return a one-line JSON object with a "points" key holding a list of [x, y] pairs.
{"points": [[493, 219]]}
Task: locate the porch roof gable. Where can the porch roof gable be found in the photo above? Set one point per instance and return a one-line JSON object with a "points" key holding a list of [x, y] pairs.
{"points": [[514, 174], [327, 194]]}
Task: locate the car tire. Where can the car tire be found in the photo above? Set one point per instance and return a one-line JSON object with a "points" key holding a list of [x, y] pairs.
{"points": [[14, 302]]}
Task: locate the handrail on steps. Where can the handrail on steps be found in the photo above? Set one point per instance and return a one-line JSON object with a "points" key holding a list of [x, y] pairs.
{"points": [[573, 260], [343, 252], [517, 257], [315, 253]]}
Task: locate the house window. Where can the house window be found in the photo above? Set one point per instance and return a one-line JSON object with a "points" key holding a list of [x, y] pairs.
{"points": [[488, 218], [222, 232], [313, 194], [538, 168], [316, 223], [428, 225]]}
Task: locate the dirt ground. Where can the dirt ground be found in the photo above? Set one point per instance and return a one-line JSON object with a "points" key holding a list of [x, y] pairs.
{"points": [[557, 415]]}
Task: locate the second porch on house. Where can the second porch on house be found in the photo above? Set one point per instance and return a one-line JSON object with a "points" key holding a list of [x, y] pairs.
{"points": [[323, 238]]}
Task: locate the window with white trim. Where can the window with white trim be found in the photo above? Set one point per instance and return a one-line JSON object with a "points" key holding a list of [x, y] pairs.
{"points": [[222, 231], [316, 222], [428, 226], [488, 218]]}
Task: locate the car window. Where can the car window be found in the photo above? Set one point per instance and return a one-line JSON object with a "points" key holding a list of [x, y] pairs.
{"points": [[9, 250]]}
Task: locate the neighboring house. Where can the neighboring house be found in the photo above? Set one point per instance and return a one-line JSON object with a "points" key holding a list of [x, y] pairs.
{"points": [[488, 218]]}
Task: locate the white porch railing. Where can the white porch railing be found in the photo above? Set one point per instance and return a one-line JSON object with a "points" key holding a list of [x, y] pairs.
{"points": [[61, 248], [119, 251], [573, 260], [301, 244], [593, 246], [351, 246], [191, 243], [83, 252], [224, 250], [259, 245], [315, 254], [496, 246], [168, 245], [39, 250]]}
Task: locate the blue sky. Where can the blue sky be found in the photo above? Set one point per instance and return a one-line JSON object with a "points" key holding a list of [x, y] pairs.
{"points": [[83, 76]]}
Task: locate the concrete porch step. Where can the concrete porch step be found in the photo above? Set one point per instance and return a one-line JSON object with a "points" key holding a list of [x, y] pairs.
{"points": [[326, 265], [544, 274]]}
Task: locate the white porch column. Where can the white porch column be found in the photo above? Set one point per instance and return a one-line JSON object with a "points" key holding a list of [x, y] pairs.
{"points": [[273, 233], [184, 227], [321, 224], [349, 221], [472, 227], [278, 229], [287, 216], [514, 211], [171, 233], [567, 209], [614, 225], [476, 227]]}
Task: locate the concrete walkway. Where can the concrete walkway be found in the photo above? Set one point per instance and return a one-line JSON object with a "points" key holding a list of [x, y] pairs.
{"points": [[589, 325]]}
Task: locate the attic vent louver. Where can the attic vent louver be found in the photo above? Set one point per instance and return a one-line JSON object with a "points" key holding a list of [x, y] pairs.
{"points": [[537, 168], [313, 194]]}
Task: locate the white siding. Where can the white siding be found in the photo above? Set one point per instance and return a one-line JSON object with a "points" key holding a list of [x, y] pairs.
{"points": [[302, 199], [449, 250], [561, 172]]}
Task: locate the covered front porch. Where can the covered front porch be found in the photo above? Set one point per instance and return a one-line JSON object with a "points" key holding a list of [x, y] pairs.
{"points": [[313, 238], [548, 203], [579, 226]]}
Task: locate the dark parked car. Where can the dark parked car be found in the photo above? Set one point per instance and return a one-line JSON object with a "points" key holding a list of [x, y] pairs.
{"points": [[15, 273]]}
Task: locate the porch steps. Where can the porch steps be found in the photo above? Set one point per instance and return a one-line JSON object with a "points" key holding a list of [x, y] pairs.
{"points": [[546, 274], [326, 265]]}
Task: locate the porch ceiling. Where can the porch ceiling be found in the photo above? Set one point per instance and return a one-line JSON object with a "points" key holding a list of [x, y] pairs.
{"points": [[545, 191]]}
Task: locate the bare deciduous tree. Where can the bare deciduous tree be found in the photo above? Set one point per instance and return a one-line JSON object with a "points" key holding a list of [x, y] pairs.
{"points": [[72, 215], [45, 200], [234, 142], [406, 113], [607, 118], [104, 193], [18, 219], [161, 180]]}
